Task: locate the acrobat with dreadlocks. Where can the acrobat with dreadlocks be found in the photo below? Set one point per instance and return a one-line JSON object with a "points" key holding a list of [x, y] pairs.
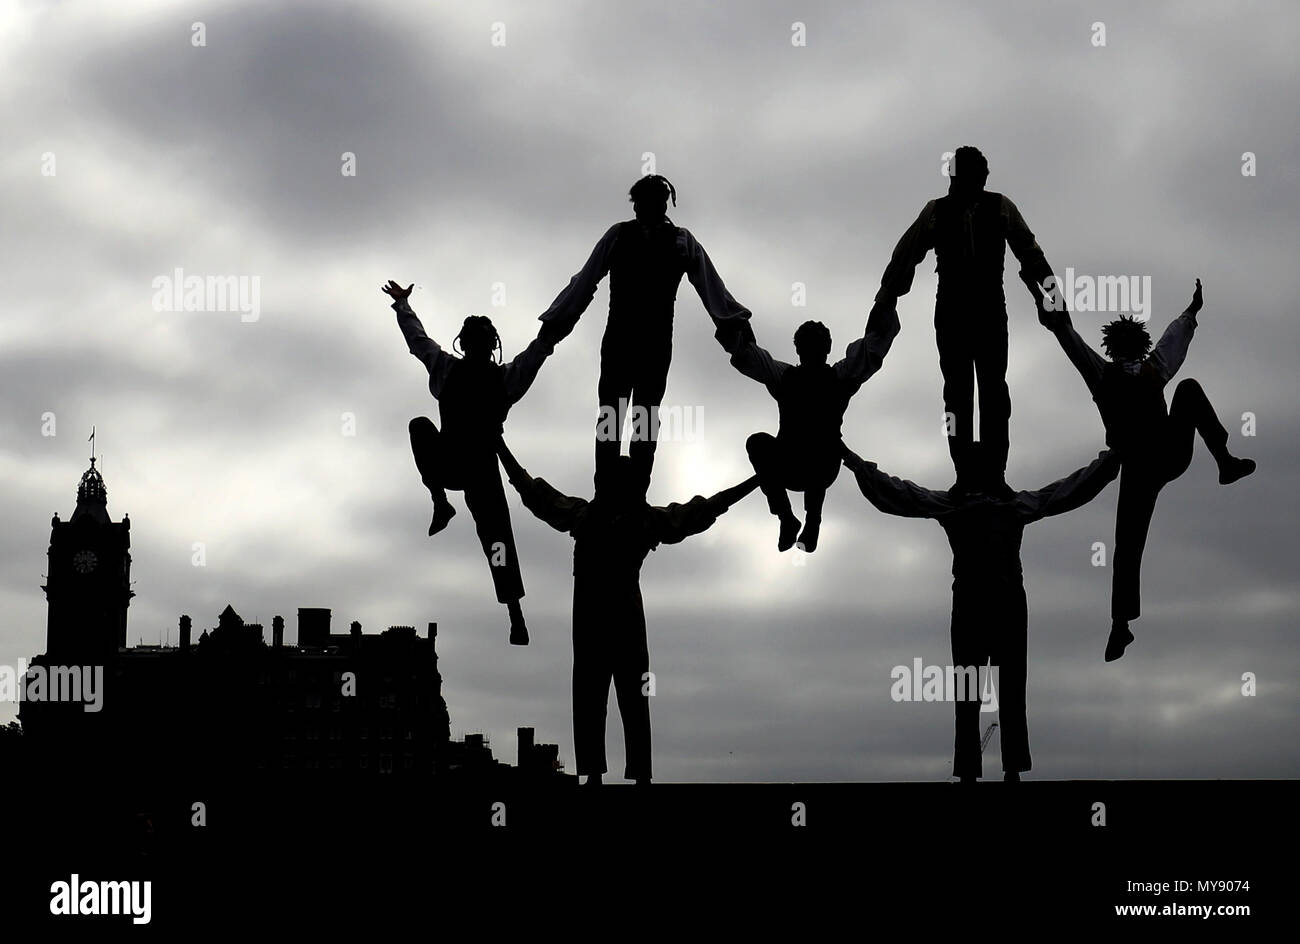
{"points": [[475, 392], [645, 258]]}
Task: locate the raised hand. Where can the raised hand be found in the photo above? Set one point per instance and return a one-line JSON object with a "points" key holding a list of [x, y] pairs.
{"points": [[1197, 301], [396, 292]]}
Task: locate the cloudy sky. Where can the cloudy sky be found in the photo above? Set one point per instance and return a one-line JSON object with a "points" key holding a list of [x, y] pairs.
{"points": [[479, 164]]}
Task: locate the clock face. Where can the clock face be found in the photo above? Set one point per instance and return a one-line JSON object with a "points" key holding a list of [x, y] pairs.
{"points": [[84, 561]]}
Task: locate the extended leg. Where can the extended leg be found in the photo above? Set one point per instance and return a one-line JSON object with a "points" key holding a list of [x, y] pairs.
{"points": [[957, 365], [1009, 655], [426, 446], [486, 500], [995, 399], [765, 457], [647, 394], [968, 617], [632, 662], [591, 678], [1138, 490]]}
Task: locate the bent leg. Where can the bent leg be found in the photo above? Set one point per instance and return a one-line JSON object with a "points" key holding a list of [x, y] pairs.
{"points": [[1191, 412], [426, 446], [764, 456]]}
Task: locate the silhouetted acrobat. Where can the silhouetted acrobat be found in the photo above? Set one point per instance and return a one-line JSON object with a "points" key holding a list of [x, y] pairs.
{"points": [[990, 618], [1153, 443], [612, 535], [811, 397], [646, 258], [969, 230], [475, 392]]}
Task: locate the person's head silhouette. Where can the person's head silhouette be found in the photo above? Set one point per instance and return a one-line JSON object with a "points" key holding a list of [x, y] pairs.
{"points": [[970, 171], [1125, 339], [621, 485], [650, 196], [478, 339], [812, 342]]}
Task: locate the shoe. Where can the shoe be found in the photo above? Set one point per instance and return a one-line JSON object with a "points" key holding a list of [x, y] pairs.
{"points": [[593, 780], [1011, 776], [442, 513], [518, 629], [1119, 640], [789, 531], [807, 541], [1235, 469]]}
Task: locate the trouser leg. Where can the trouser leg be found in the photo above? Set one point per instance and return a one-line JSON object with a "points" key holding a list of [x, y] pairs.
{"points": [[430, 458], [631, 665], [486, 499], [1010, 656], [648, 394], [591, 678], [1190, 413], [967, 649], [1137, 502], [764, 456], [995, 398], [957, 366]]}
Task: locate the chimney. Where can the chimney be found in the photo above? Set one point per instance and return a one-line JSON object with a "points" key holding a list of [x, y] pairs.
{"points": [[185, 634], [525, 747], [313, 626], [356, 633], [277, 631]]}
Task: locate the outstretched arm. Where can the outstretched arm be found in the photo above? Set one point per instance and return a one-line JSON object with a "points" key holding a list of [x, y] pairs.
{"points": [[675, 522], [1171, 349], [1071, 492], [717, 301], [550, 505], [747, 357], [865, 355], [911, 249], [577, 295], [522, 371], [1033, 264], [1053, 316], [895, 496], [437, 361]]}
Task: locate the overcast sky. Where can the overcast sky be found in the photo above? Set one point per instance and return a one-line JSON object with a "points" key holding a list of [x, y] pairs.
{"points": [[479, 164]]}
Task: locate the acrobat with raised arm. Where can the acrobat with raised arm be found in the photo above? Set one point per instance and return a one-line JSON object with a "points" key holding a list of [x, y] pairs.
{"points": [[811, 398], [990, 620], [475, 392], [645, 258], [1154, 443], [612, 535]]}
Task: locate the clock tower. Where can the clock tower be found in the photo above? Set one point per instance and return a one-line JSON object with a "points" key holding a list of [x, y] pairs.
{"points": [[88, 587]]}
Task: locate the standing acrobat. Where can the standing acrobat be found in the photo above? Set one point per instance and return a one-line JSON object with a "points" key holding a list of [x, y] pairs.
{"points": [[612, 535], [969, 231], [1154, 443], [646, 258], [990, 619], [811, 398], [475, 392]]}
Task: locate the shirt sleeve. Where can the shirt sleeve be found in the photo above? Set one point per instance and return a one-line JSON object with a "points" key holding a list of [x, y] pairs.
{"points": [[1069, 493], [911, 249], [1023, 244], [437, 361], [717, 301], [522, 371], [549, 504], [895, 496], [1171, 349], [577, 295], [1090, 365], [865, 355], [676, 522]]}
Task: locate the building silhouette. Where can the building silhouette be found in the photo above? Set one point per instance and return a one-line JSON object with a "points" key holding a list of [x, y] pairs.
{"points": [[232, 702]]}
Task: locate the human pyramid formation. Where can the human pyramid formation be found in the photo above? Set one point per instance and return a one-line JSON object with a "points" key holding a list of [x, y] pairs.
{"points": [[1149, 444]]}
